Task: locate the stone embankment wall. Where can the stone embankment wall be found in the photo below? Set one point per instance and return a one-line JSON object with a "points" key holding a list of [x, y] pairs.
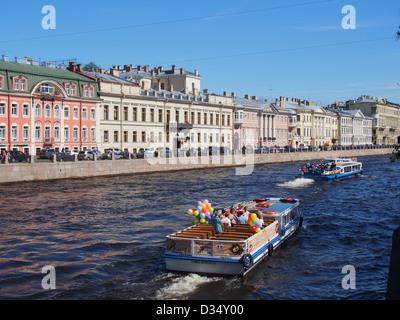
{"points": [[37, 171]]}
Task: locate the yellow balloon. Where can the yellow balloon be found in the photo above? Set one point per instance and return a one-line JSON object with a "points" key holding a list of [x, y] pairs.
{"points": [[203, 205], [211, 209], [196, 213], [202, 220], [253, 216], [258, 229]]}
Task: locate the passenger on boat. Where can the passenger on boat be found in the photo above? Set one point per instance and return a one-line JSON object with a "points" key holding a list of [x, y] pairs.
{"points": [[246, 213], [225, 219], [217, 223], [242, 219], [233, 217], [260, 217]]}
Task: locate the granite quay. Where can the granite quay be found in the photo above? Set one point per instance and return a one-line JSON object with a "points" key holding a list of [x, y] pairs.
{"points": [[243, 164]]}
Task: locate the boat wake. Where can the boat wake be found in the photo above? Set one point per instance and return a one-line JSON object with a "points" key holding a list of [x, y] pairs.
{"points": [[297, 183], [182, 286]]}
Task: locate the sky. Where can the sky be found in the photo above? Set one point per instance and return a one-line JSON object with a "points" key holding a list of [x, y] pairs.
{"points": [[289, 48]]}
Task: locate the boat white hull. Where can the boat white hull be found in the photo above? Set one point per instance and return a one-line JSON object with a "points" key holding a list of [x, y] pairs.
{"points": [[228, 267]]}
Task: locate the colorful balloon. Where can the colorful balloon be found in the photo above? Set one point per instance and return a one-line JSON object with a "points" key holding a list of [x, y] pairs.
{"points": [[258, 230], [205, 201], [190, 211]]}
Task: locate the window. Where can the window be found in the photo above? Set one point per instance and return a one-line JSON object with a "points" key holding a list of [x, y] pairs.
{"points": [[84, 113], [76, 113], [56, 111], [93, 134], [217, 119], [143, 114], [66, 133], [125, 136], [160, 116], [76, 134], [177, 115], [2, 109], [134, 114], [47, 111], [47, 133], [228, 119], [151, 115], [125, 113], [134, 136], [66, 112], [16, 83], [199, 118], [205, 118], [47, 88], [93, 114], [38, 111], [25, 133], [211, 119], [14, 109], [105, 136], [14, 133], [84, 134], [68, 88], [115, 136], [143, 136], [116, 112], [88, 90], [105, 113], [38, 133], [3, 134], [56, 133], [25, 110], [1, 81]]}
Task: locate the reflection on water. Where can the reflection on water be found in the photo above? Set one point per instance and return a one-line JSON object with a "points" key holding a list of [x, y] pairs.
{"points": [[106, 236]]}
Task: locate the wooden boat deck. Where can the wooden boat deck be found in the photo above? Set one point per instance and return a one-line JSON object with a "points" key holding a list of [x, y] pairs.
{"points": [[238, 232]]}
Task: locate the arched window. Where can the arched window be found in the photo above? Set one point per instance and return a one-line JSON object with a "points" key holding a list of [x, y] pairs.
{"points": [[38, 111]]}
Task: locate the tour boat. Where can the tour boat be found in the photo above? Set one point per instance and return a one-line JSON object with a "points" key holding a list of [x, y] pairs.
{"points": [[333, 169], [237, 250]]}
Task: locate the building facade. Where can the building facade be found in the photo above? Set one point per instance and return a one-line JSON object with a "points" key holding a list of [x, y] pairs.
{"points": [[43, 106], [386, 118], [134, 116]]}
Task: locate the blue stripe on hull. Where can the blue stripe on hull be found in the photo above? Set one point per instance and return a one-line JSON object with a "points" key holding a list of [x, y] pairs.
{"points": [[336, 177]]}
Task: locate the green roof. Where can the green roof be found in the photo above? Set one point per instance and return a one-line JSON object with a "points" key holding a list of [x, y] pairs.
{"points": [[36, 74]]}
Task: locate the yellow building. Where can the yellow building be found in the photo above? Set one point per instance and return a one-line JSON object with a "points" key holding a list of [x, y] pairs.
{"points": [[386, 118]]}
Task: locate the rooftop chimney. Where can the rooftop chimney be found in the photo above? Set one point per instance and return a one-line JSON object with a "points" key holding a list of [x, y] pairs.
{"points": [[173, 68], [247, 96], [147, 68], [233, 94], [79, 67], [182, 71], [139, 68], [114, 72], [226, 93], [255, 98], [71, 66]]}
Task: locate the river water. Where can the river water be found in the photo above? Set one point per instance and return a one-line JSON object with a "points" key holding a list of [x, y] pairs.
{"points": [[105, 236]]}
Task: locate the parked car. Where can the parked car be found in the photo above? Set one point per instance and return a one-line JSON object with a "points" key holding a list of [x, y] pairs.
{"points": [[146, 153], [225, 150], [73, 152], [192, 152], [182, 152], [127, 155], [85, 155], [45, 153], [213, 151], [62, 156], [289, 149], [18, 156], [98, 153], [117, 155], [163, 152]]}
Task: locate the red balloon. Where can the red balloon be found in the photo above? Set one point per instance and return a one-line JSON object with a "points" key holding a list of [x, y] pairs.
{"points": [[204, 210], [253, 228]]}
